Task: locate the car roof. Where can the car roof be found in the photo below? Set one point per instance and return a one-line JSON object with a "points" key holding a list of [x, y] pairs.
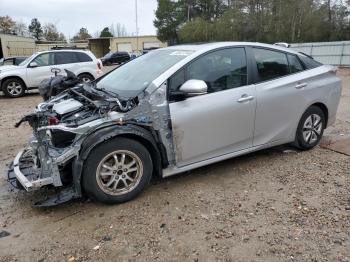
{"points": [[64, 50], [12, 57], [209, 46]]}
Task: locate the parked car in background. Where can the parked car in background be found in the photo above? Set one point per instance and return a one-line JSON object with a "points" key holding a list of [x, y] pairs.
{"points": [[173, 110], [116, 58], [145, 51], [15, 80], [12, 60]]}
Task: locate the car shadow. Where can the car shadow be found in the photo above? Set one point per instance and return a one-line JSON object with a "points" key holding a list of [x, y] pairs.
{"points": [[30, 93], [277, 150], [213, 171]]}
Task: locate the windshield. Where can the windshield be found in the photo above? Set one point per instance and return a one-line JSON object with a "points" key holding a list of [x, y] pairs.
{"points": [[27, 59], [135, 76]]}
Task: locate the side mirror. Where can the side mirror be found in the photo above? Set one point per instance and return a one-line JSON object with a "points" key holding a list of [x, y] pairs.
{"points": [[194, 87], [33, 64]]}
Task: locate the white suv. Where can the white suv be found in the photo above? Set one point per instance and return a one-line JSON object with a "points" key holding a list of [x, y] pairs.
{"points": [[15, 80]]}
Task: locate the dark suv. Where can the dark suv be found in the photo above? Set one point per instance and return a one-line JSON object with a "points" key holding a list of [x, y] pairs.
{"points": [[115, 58]]}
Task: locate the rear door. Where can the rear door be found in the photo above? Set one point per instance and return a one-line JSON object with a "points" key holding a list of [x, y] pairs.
{"points": [[221, 121], [66, 60], [280, 89]]}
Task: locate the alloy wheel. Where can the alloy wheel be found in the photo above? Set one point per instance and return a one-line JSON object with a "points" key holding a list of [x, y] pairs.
{"points": [[312, 129], [119, 172], [14, 88]]}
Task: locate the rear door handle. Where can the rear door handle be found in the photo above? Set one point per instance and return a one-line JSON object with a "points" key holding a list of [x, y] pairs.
{"points": [[301, 85], [245, 98]]}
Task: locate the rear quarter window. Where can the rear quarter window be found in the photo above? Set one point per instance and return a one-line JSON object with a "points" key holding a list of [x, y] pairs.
{"points": [[308, 62], [82, 57]]}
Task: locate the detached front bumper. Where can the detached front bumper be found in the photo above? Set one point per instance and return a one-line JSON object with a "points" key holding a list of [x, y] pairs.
{"points": [[23, 173]]}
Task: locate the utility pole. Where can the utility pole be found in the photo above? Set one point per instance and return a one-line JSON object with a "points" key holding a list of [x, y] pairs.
{"points": [[137, 27]]}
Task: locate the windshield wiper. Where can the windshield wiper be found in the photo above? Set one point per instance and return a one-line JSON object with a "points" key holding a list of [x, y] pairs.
{"points": [[110, 93]]}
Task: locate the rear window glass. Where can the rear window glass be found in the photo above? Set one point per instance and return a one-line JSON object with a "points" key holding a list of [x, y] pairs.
{"points": [[308, 62], [82, 57], [65, 58], [270, 64], [294, 64]]}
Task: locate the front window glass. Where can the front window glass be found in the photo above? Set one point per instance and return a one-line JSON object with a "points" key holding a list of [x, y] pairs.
{"points": [[27, 60], [270, 64], [44, 59], [176, 81], [221, 70], [133, 77]]}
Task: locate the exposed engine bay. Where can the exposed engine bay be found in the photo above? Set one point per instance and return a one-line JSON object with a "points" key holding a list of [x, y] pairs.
{"points": [[70, 122]]}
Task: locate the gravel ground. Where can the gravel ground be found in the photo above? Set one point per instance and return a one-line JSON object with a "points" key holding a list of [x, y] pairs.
{"points": [[273, 205]]}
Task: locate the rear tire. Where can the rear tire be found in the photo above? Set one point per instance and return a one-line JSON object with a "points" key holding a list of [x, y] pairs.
{"points": [[13, 87], [117, 171], [310, 128], [86, 78]]}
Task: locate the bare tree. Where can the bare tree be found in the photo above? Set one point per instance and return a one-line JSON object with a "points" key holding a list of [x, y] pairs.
{"points": [[7, 25]]}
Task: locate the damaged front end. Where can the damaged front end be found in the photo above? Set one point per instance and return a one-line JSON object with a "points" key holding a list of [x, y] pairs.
{"points": [[61, 128], [129, 103]]}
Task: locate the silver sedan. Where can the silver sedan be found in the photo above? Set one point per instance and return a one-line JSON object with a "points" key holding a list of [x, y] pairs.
{"points": [[176, 109]]}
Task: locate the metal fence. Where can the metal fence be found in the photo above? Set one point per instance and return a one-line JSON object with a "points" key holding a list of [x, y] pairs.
{"points": [[332, 53]]}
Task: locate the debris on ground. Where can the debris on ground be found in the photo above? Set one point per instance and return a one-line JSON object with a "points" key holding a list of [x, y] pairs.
{"points": [[4, 233]]}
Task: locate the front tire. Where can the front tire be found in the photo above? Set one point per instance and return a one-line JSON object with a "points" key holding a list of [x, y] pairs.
{"points": [[310, 128], [13, 88], [117, 171]]}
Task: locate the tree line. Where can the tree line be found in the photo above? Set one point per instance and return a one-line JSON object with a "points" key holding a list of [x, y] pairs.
{"points": [[49, 31], [269, 21]]}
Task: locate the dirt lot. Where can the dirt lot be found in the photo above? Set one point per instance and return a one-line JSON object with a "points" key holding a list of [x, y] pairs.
{"points": [[274, 205]]}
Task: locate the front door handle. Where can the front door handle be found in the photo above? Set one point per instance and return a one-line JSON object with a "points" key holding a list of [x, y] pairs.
{"points": [[245, 98], [301, 85]]}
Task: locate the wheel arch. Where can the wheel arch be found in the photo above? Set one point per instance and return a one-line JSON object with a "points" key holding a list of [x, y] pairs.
{"points": [[16, 77], [324, 109], [140, 134], [87, 73], [320, 105]]}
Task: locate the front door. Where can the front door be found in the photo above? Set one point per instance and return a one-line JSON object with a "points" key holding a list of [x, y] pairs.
{"points": [[221, 121], [41, 71]]}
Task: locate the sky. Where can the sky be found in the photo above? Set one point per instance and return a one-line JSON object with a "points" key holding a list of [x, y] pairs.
{"points": [[70, 15]]}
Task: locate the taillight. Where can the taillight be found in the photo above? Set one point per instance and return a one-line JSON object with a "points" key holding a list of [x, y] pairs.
{"points": [[53, 121], [99, 65]]}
